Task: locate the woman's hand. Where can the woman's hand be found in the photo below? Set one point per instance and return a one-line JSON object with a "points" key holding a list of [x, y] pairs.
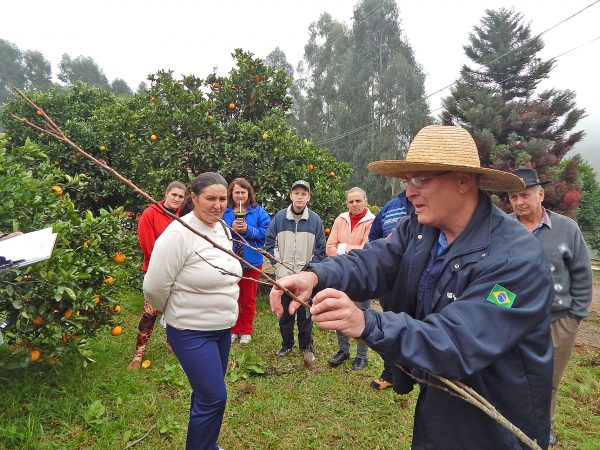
{"points": [[239, 226]]}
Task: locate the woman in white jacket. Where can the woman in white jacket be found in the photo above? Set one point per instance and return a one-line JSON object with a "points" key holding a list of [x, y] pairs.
{"points": [[199, 303]]}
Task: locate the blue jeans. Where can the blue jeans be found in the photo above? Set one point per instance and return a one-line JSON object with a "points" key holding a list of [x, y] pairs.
{"points": [[203, 356]]}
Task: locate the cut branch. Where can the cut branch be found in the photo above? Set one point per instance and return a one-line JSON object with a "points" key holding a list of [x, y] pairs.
{"points": [[55, 131]]}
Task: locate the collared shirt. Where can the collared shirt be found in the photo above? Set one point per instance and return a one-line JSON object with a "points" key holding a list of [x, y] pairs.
{"points": [[544, 221], [430, 276]]}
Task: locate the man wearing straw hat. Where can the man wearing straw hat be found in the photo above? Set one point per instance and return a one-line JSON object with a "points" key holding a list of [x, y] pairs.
{"points": [[570, 266], [475, 291]]}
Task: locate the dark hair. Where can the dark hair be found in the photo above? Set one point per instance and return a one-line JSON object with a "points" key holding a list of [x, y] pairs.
{"points": [[175, 185], [206, 179], [244, 184]]}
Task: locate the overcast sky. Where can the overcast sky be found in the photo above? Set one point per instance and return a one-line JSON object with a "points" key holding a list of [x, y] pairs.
{"points": [[131, 38]]}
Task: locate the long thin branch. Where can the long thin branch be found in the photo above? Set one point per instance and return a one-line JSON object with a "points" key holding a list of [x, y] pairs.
{"points": [[55, 131], [223, 271], [471, 396]]}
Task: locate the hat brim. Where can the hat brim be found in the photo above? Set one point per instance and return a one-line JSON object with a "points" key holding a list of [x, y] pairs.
{"points": [[541, 183], [491, 179]]}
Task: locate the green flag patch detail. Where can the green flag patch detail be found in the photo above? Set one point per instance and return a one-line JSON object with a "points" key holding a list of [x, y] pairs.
{"points": [[501, 296]]}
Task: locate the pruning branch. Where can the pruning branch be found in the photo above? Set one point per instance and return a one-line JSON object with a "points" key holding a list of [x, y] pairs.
{"points": [[54, 130]]}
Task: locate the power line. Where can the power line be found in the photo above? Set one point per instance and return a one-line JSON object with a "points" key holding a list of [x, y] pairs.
{"points": [[478, 70], [375, 132]]}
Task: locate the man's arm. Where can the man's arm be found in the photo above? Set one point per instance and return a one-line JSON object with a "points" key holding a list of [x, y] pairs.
{"points": [[472, 332], [580, 273], [320, 243]]}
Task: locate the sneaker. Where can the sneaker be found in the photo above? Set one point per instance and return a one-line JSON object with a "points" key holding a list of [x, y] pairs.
{"points": [[338, 358], [380, 384], [552, 438], [135, 364], [245, 339], [360, 363], [234, 337], [308, 358], [283, 352]]}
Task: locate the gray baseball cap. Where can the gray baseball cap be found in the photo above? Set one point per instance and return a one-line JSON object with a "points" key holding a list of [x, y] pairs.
{"points": [[302, 184]]}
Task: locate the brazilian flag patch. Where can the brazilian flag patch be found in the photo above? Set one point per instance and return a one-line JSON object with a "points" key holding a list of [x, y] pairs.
{"points": [[501, 296]]}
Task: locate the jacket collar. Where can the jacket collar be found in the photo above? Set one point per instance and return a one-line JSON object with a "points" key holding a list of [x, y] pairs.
{"points": [[476, 236], [290, 215], [368, 216]]}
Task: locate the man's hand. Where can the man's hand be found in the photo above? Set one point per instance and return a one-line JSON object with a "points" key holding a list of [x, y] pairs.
{"points": [[333, 310], [301, 285]]}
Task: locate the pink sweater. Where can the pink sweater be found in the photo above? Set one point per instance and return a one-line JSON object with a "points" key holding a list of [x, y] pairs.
{"points": [[340, 233]]}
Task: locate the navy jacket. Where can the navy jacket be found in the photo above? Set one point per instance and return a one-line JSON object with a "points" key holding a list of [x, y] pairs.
{"points": [[258, 222], [386, 219], [504, 353]]}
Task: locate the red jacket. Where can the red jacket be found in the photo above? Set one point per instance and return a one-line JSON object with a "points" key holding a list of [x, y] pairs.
{"points": [[151, 225]]}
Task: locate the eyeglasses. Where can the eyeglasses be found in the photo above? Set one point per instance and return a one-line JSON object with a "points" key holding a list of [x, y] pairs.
{"points": [[421, 181]]}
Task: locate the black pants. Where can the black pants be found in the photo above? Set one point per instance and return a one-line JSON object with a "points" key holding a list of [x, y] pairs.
{"points": [[286, 326]]}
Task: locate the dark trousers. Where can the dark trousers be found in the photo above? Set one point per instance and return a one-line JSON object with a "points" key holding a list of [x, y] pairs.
{"points": [[203, 356], [286, 326]]}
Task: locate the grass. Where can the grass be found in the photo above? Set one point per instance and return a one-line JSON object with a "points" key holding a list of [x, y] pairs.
{"points": [[107, 407]]}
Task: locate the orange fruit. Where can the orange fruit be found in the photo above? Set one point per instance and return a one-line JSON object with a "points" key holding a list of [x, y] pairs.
{"points": [[68, 314], [64, 339], [231, 106], [39, 112], [35, 354], [117, 308], [216, 85], [53, 362], [77, 155], [38, 321], [102, 148], [327, 230], [209, 118], [310, 167], [332, 174], [108, 279], [57, 190], [116, 330], [42, 134], [97, 298], [264, 136], [153, 137], [257, 78], [147, 363], [85, 244], [153, 99], [118, 258]]}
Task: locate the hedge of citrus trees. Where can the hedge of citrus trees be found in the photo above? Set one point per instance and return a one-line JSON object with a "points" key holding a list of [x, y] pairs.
{"points": [[51, 308], [234, 124]]}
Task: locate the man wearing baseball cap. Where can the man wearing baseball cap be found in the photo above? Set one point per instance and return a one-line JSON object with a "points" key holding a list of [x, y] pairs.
{"points": [[570, 267], [470, 290], [296, 237]]}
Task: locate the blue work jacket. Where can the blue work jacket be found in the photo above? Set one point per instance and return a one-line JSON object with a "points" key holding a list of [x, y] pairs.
{"points": [[489, 326]]}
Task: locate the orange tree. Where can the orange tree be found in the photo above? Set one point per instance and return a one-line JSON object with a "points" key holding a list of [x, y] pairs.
{"points": [[51, 308], [234, 124]]}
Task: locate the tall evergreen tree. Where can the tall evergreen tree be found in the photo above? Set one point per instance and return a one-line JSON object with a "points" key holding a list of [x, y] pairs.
{"points": [[11, 69], [363, 91], [37, 70], [82, 69], [513, 124]]}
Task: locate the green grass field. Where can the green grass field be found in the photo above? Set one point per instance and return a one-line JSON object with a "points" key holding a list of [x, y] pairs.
{"points": [[107, 407]]}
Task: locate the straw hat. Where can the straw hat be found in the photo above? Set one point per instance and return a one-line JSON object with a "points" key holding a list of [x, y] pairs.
{"points": [[440, 148]]}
